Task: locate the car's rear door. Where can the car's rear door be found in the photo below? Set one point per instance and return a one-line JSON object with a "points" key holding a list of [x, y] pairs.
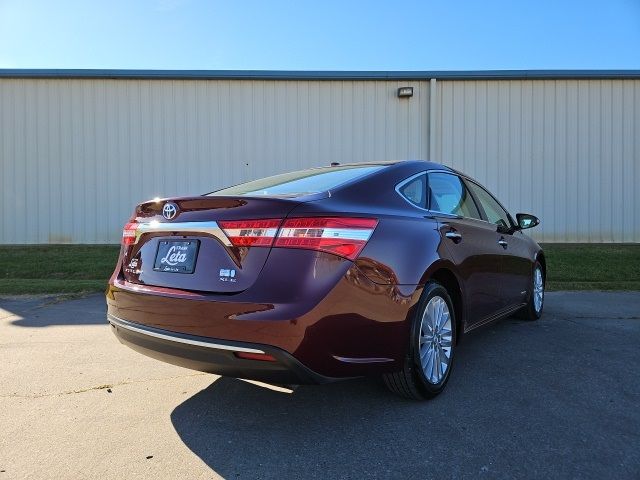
{"points": [[471, 242], [517, 267]]}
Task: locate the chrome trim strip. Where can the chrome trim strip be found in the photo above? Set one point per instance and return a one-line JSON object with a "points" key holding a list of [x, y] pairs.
{"points": [[206, 228], [496, 316], [118, 322], [362, 360]]}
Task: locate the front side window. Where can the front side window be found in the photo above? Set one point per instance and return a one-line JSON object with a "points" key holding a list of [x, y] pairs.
{"points": [[492, 209], [448, 194]]}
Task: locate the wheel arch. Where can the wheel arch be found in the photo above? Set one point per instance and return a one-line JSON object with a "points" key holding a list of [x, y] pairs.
{"points": [[446, 277], [543, 262]]}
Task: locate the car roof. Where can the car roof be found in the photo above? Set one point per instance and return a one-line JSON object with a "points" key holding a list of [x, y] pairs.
{"points": [[426, 164]]}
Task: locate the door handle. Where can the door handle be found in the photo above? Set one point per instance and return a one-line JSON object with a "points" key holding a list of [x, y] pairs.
{"points": [[503, 243], [455, 236]]}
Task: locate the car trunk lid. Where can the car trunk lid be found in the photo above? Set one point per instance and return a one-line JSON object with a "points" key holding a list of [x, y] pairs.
{"points": [[209, 243]]}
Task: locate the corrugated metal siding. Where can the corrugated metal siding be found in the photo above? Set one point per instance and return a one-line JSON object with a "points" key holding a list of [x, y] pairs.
{"points": [[565, 150], [77, 154]]}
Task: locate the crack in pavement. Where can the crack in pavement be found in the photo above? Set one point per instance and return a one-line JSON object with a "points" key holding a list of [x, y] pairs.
{"points": [[98, 387]]}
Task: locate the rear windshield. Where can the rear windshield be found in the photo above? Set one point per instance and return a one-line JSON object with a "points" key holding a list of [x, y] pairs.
{"points": [[299, 183]]}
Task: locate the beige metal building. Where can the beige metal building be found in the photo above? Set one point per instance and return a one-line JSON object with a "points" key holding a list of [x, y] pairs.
{"points": [[78, 149]]}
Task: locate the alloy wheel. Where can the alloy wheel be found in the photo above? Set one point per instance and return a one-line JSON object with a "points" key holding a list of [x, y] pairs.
{"points": [[538, 290], [435, 340]]}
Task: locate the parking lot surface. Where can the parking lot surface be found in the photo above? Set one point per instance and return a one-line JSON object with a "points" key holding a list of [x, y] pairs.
{"points": [[557, 398]]}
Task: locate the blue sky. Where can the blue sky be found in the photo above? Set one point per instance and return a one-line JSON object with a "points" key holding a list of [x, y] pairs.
{"points": [[320, 35]]}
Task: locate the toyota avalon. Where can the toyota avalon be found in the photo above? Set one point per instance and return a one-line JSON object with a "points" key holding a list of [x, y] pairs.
{"points": [[325, 274]]}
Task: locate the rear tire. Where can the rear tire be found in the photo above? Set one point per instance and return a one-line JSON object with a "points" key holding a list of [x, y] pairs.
{"points": [[428, 364], [533, 310]]}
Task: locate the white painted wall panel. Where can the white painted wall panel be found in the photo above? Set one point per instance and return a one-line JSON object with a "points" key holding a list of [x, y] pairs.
{"points": [[78, 154], [565, 150]]}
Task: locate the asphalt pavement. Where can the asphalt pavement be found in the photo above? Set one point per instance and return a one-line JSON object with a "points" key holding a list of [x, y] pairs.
{"points": [[557, 398]]}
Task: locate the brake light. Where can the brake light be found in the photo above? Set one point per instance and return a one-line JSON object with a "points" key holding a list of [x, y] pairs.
{"points": [[250, 233], [341, 236], [129, 233]]}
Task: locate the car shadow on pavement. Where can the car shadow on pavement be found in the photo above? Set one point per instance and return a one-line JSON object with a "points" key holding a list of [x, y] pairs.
{"points": [[45, 311], [518, 405], [240, 429]]}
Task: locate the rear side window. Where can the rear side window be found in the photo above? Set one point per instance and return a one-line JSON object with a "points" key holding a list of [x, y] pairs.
{"points": [[448, 194], [414, 190], [299, 183]]}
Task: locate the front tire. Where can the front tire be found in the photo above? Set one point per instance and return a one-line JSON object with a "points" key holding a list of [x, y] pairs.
{"points": [[533, 310], [427, 367]]}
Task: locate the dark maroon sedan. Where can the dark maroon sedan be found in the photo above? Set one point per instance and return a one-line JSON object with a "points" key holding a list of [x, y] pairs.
{"points": [[325, 274]]}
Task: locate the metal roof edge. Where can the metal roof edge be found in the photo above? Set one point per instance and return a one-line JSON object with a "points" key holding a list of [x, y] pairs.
{"points": [[318, 74]]}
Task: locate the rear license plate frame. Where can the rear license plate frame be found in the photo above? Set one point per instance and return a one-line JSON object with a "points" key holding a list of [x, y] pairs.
{"points": [[163, 261]]}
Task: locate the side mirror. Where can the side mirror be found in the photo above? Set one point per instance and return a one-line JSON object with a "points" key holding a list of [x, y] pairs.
{"points": [[527, 221]]}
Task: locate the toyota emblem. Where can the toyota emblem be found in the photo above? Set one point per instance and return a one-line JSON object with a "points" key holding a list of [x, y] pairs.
{"points": [[170, 210]]}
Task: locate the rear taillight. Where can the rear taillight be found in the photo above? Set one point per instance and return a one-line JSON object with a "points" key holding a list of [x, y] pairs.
{"points": [[250, 233], [341, 236], [129, 233]]}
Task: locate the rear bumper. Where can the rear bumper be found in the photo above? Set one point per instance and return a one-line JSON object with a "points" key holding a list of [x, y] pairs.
{"points": [[309, 308], [215, 356]]}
